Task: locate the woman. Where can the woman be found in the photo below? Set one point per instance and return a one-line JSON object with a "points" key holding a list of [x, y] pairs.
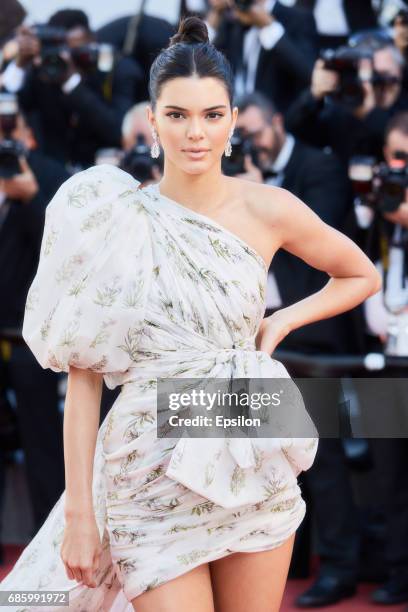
{"points": [[169, 281]]}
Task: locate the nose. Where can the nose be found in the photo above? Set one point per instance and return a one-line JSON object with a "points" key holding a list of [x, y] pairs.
{"points": [[195, 130]]}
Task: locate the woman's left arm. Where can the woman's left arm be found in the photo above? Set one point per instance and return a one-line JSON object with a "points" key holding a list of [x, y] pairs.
{"points": [[353, 276]]}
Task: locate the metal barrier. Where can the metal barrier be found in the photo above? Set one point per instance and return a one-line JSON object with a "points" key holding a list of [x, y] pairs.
{"points": [[339, 365]]}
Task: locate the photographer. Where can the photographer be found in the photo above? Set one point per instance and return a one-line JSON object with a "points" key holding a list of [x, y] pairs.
{"points": [[271, 47], [77, 90], [28, 180], [136, 143], [384, 214], [353, 93], [382, 209]]}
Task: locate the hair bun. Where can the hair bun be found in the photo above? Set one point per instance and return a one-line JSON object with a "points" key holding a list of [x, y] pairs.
{"points": [[191, 30]]}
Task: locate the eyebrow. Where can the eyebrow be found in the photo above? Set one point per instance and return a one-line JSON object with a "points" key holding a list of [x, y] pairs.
{"points": [[186, 109]]}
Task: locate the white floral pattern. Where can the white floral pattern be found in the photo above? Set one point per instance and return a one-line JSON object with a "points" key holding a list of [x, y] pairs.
{"points": [[135, 286]]}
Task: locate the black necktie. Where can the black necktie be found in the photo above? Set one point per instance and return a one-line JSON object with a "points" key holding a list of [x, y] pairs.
{"points": [[270, 174]]}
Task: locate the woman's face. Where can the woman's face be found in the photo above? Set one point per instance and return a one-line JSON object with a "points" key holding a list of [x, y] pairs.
{"points": [[193, 112]]}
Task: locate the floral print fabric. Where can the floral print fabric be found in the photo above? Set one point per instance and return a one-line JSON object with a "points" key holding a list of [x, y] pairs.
{"points": [[136, 286], [87, 301]]}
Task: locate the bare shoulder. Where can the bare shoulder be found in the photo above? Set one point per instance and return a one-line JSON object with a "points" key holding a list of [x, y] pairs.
{"points": [[300, 231], [272, 206]]}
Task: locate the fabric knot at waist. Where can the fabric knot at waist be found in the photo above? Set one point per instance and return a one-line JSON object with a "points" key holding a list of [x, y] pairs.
{"points": [[209, 346], [229, 471], [198, 348], [246, 344]]}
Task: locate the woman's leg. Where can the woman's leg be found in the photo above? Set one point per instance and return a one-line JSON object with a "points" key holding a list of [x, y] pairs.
{"points": [[190, 591], [252, 581]]}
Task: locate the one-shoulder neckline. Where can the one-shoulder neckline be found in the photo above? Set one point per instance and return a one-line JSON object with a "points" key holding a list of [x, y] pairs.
{"points": [[222, 228]]}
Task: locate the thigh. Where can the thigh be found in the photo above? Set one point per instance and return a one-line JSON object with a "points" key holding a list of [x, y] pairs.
{"points": [[190, 591], [252, 580]]}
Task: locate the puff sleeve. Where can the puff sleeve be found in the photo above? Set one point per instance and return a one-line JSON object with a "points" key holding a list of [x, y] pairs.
{"points": [[86, 304]]}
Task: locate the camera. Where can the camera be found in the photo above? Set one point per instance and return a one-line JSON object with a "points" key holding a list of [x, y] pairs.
{"points": [[138, 161], [345, 61], [53, 42], [10, 150], [93, 56], [380, 185], [87, 58], [241, 146]]}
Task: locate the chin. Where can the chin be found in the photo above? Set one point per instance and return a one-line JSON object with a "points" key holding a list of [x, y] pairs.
{"points": [[196, 167]]}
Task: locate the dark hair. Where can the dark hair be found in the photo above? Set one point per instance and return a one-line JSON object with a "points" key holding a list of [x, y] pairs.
{"points": [[189, 52], [258, 99], [69, 18], [399, 123]]}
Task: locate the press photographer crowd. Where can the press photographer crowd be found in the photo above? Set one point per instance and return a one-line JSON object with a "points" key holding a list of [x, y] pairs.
{"points": [[321, 87]]}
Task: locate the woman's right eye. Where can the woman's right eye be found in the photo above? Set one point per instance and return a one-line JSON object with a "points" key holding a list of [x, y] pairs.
{"points": [[173, 113]]}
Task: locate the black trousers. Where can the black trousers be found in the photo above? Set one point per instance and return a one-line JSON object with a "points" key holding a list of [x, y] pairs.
{"points": [[337, 517], [328, 480], [387, 413], [40, 426], [391, 461], [329, 483]]}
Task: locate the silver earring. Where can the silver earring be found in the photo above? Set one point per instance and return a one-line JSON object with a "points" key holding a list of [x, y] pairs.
{"points": [[228, 147], [155, 148]]}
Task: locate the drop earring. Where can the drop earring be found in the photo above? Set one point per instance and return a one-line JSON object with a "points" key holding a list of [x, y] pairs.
{"points": [[155, 148], [228, 147]]}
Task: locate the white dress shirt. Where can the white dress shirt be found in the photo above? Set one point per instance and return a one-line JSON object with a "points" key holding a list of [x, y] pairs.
{"points": [[375, 313], [254, 39], [330, 18], [13, 77], [395, 296], [281, 161], [273, 298]]}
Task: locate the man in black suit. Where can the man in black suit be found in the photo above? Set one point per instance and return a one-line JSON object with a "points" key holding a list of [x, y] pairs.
{"points": [[318, 179], [141, 37], [80, 108], [270, 47], [337, 19], [24, 197]]}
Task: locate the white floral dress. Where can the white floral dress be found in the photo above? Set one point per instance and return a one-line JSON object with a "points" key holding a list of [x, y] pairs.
{"points": [[137, 286]]}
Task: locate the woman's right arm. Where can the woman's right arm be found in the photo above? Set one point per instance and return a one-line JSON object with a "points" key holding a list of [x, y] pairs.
{"points": [[81, 546]]}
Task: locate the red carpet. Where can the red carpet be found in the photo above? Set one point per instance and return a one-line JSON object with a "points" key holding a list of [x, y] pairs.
{"points": [[358, 603]]}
